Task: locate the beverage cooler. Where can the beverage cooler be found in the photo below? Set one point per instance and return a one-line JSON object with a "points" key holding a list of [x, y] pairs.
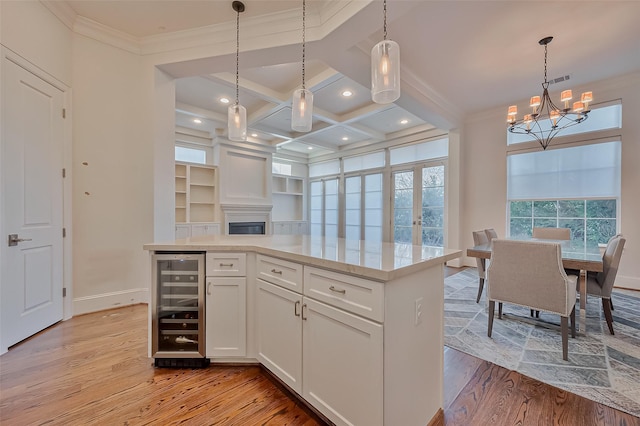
{"points": [[178, 336]]}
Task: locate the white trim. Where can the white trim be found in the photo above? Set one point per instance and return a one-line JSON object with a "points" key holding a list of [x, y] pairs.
{"points": [[627, 282], [107, 35], [116, 299], [62, 11], [247, 213]]}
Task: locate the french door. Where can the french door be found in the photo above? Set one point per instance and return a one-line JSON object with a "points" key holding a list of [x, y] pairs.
{"points": [[418, 205]]}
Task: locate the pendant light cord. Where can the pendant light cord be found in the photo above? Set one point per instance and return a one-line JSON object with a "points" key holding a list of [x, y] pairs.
{"points": [[384, 8], [304, 16], [237, 56], [545, 64]]}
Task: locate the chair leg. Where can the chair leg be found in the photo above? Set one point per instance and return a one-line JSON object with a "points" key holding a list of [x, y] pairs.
{"points": [[564, 328], [606, 306], [480, 287], [492, 307], [611, 303], [536, 312], [572, 317], [499, 310]]}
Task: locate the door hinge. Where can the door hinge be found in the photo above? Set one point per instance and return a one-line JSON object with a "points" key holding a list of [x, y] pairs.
{"points": [[64, 173], [64, 232], [64, 113], [64, 292]]}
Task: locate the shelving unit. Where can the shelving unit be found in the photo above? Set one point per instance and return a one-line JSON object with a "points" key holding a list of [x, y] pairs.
{"points": [[196, 197], [288, 198]]}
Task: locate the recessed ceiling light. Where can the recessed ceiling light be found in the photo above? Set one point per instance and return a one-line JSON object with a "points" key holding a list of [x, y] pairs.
{"points": [[347, 93], [224, 100], [404, 121], [309, 147], [344, 138], [197, 120], [254, 135]]}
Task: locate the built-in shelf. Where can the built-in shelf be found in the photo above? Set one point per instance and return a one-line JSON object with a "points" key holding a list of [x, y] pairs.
{"points": [[195, 193], [288, 198]]}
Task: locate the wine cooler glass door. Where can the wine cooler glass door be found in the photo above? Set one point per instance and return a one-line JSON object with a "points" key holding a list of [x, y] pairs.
{"points": [[179, 302]]}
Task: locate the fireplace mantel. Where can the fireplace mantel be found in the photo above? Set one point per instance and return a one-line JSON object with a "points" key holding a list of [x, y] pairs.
{"points": [[247, 213]]}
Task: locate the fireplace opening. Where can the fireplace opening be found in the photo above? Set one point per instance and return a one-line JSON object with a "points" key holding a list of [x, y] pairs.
{"points": [[236, 228]]}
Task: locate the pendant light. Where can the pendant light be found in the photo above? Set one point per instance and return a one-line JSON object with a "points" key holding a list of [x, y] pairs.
{"points": [[237, 114], [385, 68], [302, 104]]}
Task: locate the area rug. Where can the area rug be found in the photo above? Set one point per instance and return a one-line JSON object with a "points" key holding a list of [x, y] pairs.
{"points": [[601, 367]]}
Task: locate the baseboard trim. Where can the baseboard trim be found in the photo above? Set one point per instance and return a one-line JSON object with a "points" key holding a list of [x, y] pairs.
{"points": [[116, 299], [627, 282]]}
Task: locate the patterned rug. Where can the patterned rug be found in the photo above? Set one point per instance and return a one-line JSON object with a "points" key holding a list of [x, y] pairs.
{"points": [[601, 367]]}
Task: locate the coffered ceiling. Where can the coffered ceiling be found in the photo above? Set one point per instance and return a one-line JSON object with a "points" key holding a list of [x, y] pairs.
{"points": [[458, 58]]}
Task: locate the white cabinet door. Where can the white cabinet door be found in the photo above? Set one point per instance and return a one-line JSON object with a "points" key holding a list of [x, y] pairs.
{"points": [[343, 365], [280, 333], [183, 231], [205, 229], [226, 317]]}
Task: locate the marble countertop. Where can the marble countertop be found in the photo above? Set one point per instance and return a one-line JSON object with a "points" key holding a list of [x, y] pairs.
{"points": [[374, 260]]}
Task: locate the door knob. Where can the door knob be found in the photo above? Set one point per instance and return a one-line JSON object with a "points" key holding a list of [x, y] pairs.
{"points": [[14, 240]]}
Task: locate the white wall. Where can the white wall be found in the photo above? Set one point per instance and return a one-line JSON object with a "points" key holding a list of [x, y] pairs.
{"points": [[484, 172], [113, 176]]}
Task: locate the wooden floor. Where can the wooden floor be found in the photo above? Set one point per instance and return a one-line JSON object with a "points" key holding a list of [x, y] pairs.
{"points": [[94, 370]]}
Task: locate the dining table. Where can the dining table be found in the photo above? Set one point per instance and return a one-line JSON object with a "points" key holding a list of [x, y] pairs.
{"points": [[575, 255]]}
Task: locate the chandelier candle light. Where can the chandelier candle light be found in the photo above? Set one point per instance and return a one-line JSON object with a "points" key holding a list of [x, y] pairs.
{"points": [[302, 104], [546, 120], [385, 68], [237, 114]]}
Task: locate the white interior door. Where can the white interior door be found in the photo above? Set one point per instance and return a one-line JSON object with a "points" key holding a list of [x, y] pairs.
{"points": [[32, 191]]}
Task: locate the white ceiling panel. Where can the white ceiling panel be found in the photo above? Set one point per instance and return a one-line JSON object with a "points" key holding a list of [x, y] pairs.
{"points": [[330, 98], [391, 120]]}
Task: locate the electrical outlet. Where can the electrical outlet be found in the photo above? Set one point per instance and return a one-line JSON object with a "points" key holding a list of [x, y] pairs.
{"points": [[418, 310]]}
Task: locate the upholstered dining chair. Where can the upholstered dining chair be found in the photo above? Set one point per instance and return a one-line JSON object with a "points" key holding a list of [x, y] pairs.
{"points": [[480, 237], [601, 283], [552, 233], [530, 274], [491, 233]]}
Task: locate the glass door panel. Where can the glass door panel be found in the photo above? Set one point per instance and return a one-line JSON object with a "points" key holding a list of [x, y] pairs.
{"points": [[432, 231], [403, 207]]}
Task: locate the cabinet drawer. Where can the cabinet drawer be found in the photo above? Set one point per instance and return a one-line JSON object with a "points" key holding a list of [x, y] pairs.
{"points": [[226, 264], [280, 272], [357, 295]]}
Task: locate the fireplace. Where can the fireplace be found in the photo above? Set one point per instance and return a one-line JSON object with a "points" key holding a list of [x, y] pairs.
{"points": [[246, 228]]}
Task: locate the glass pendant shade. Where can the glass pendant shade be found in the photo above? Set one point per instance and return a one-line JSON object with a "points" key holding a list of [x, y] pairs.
{"points": [[237, 123], [385, 72], [302, 110]]}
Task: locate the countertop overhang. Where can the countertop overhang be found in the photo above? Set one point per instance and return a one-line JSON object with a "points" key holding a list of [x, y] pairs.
{"points": [[373, 260]]}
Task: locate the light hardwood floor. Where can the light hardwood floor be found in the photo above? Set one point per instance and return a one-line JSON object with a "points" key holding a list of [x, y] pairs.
{"points": [[94, 370]]}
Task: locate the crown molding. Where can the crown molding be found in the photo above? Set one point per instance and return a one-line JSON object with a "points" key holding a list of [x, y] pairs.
{"points": [[334, 13], [62, 11], [107, 35]]}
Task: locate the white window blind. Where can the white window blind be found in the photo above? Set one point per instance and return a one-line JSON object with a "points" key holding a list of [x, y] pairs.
{"points": [[281, 168], [362, 162], [191, 155], [587, 171], [325, 168], [422, 151]]}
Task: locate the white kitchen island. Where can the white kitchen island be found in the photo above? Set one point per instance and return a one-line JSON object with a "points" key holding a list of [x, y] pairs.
{"points": [[353, 327]]}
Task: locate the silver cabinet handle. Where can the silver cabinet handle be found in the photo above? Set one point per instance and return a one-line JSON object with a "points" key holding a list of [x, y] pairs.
{"points": [[209, 288], [14, 240], [296, 312], [304, 309], [273, 271], [230, 265], [337, 290]]}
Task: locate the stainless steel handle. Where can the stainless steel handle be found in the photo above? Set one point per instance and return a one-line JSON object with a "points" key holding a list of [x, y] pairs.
{"points": [[14, 240], [230, 265], [209, 288], [274, 271], [296, 312], [337, 290], [304, 309]]}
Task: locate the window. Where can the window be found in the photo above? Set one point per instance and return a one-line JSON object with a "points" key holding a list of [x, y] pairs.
{"points": [[372, 160], [281, 168], [363, 207], [605, 117], [576, 188], [191, 155], [419, 152], [325, 168], [324, 208]]}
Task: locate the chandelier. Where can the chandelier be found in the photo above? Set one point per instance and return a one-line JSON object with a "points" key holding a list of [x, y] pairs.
{"points": [[547, 120]]}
